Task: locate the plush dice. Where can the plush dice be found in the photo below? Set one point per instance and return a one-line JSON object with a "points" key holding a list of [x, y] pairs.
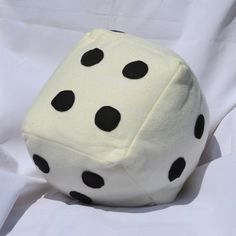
{"points": [[122, 122]]}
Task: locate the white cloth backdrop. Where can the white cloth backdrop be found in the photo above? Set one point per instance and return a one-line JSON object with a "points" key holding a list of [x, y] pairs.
{"points": [[35, 36]]}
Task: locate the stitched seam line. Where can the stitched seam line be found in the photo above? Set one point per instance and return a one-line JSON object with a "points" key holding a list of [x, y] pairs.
{"points": [[151, 110], [66, 147], [143, 124]]}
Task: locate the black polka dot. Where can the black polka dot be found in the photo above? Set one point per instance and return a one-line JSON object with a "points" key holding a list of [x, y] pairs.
{"points": [[107, 118], [63, 101], [117, 31], [81, 197], [92, 57], [135, 70], [177, 168], [41, 163], [199, 126], [92, 180]]}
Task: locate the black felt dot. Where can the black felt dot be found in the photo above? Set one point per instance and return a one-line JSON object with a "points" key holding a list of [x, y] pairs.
{"points": [[199, 126], [92, 57], [81, 197], [118, 31], [92, 180], [107, 118], [135, 70], [63, 101], [177, 168], [41, 163]]}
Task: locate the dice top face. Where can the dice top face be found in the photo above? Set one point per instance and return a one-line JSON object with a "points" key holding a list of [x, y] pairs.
{"points": [[102, 127], [102, 93]]}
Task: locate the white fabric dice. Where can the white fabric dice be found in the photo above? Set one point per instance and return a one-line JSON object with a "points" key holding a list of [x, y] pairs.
{"points": [[122, 122]]}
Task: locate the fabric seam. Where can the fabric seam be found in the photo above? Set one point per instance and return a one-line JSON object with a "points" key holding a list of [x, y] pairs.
{"points": [[143, 125], [66, 147]]}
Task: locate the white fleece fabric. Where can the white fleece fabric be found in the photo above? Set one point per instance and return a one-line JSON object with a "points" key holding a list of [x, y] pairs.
{"points": [[122, 122]]}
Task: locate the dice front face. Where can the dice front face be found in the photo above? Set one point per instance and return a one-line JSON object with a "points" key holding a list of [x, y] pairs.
{"points": [[121, 122]]}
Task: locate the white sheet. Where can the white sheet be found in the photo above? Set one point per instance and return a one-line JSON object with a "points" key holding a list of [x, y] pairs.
{"points": [[35, 36]]}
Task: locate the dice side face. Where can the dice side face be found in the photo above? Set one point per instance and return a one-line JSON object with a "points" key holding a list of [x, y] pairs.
{"points": [[168, 147], [82, 178], [102, 127]]}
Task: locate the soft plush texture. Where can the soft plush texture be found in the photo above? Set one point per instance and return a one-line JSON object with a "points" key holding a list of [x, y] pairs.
{"points": [[122, 122]]}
